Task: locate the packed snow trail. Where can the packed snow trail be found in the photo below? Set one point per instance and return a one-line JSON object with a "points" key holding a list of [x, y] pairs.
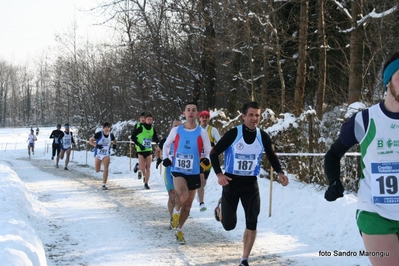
{"points": [[124, 220]]}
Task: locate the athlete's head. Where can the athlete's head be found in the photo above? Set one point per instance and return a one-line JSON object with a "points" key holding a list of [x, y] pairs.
{"points": [[191, 111], [58, 126], [148, 119], [107, 124], [251, 114], [391, 74], [204, 117], [142, 117], [248, 105], [66, 126]]}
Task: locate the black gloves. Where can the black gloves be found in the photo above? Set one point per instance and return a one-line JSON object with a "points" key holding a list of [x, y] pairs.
{"points": [[205, 164], [99, 146], [167, 162], [334, 191], [212, 144], [141, 146], [114, 147], [159, 161]]}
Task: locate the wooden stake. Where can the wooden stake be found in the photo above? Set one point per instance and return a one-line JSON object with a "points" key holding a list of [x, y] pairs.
{"points": [[271, 191]]}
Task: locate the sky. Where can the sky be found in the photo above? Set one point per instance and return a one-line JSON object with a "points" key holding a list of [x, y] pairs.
{"points": [[28, 28], [52, 216]]}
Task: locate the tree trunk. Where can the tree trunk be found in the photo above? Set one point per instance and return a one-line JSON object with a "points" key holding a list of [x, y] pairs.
{"points": [[208, 58], [302, 50], [322, 74], [356, 55]]}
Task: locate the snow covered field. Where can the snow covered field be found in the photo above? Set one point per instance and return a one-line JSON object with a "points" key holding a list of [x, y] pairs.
{"points": [[51, 216]]}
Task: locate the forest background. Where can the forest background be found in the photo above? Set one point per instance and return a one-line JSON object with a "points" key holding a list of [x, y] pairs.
{"points": [[301, 59]]}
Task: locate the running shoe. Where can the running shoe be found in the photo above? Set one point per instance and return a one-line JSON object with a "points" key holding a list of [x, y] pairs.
{"points": [[218, 210], [175, 220], [180, 237], [146, 186], [139, 175], [66, 168], [171, 223], [104, 187], [244, 263], [136, 168], [202, 207], [56, 166]]}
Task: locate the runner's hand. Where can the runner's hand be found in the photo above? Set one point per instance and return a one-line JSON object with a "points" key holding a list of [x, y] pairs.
{"points": [[334, 191], [159, 161], [167, 162], [223, 180], [114, 147], [99, 146], [141, 146]]}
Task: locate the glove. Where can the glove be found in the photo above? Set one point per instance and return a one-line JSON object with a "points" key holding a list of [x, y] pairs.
{"points": [[334, 191], [212, 144], [159, 161], [141, 146], [99, 146], [205, 164], [167, 162], [114, 147]]}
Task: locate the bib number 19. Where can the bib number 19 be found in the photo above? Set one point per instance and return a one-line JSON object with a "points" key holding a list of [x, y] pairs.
{"points": [[388, 184]]}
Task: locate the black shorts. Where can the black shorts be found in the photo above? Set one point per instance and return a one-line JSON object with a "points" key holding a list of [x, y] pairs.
{"points": [[246, 190], [193, 181], [145, 154], [56, 149]]}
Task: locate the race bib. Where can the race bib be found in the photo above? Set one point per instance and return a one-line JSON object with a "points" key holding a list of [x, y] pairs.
{"points": [[384, 183], [147, 143], [103, 151], [184, 162], [244, 164]]}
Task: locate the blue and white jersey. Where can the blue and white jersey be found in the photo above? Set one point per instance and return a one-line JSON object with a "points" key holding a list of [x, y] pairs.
{"points": [[244, 159], [106, 142], [32, 138], [187, 149]]}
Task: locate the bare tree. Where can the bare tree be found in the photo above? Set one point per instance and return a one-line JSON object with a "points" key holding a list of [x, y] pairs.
{"points": [[322, 66], [302, 57]]}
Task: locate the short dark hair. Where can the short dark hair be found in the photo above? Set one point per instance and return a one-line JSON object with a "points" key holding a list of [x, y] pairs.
{"points": [[142, 114], [148, 115], [107, 124], [248, 105], [191, 103]]}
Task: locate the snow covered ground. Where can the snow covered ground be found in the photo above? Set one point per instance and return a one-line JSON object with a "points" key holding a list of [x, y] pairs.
{"points": [[51, 216]]}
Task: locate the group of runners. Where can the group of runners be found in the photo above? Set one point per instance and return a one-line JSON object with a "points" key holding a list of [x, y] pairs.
{"points": [[61, 146], [190, 151]]}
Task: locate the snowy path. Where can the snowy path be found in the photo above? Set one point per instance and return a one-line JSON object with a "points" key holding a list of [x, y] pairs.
{"points": [[125, 221]]}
